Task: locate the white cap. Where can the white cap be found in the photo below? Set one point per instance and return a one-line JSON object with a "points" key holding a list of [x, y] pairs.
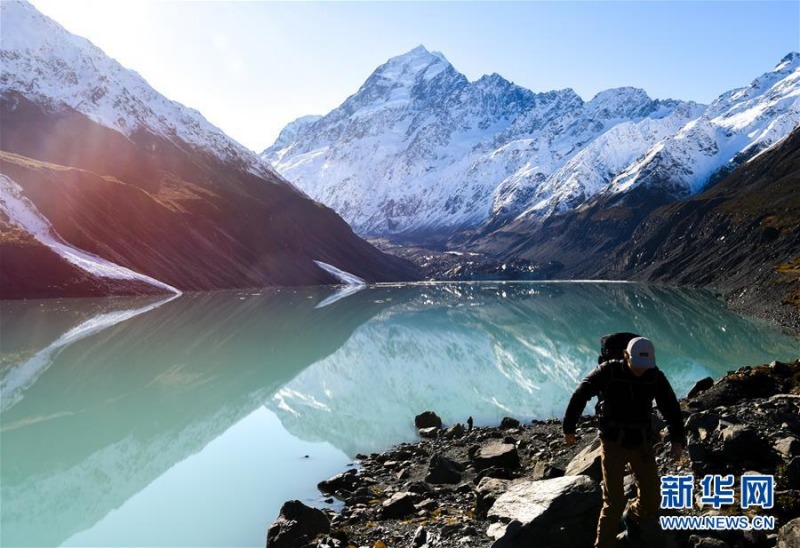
{"points": [[642, 353]]}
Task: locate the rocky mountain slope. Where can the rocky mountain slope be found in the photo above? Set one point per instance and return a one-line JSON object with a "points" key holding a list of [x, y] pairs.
{"points": [[419, 151], [741, 237], [108, 185]]}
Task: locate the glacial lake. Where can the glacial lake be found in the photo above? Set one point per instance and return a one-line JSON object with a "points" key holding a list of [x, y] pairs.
{"points": [[188, 421]]}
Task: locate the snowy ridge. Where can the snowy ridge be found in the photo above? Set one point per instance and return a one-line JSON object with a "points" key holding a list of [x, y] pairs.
{"points": [[50, 66], [420, 148], [22, 213], [735, 127]]}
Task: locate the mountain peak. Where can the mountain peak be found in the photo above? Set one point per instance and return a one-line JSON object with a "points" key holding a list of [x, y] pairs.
{"points": [[791, 61], [406, 67], [619, 102]]}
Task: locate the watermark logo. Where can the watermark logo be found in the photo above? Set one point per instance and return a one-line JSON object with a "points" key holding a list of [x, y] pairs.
{"points": [[676, 492], [716, 490], [758, 491]]}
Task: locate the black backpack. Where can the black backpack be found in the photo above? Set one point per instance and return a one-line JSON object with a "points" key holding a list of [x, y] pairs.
{"points": [[612, 346]]}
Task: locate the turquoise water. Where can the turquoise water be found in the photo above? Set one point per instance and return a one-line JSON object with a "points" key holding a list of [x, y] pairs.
{"points": [[188, 421]]}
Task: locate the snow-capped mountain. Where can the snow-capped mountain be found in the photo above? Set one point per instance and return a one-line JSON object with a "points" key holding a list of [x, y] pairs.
{"points": [[109, 187], [51, 66], [736, 126], [419, 148]]}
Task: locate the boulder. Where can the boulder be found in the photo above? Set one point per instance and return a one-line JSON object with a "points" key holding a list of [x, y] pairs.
{"points": [[399, 505], [420, 537], [790, 476], [428, 419], [788, 448], [789, 535], [430, 432], [443, 470], [740, 442], [297, 525], [455, 431], [702, 424], [494, 472], [487, 492], [587, 462], [555, 513], [546, 470], [347, 481], [700, 386], [497, 455], [508, 422]]}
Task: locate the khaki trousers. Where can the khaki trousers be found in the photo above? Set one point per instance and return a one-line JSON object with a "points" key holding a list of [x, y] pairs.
{"points": [[645, 508]]}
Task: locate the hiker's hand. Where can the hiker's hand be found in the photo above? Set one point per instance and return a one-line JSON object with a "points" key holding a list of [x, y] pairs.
{"points": [[569, 439], [675, 450]]}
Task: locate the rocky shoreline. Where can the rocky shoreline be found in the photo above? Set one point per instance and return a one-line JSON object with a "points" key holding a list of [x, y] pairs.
{"points": [[517, 484]]}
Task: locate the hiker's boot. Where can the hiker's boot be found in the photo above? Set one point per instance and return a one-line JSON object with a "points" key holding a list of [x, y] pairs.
{"points": [[632, 526]]}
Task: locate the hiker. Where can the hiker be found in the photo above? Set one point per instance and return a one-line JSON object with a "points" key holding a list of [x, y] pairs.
{"points": [[625, 389]]}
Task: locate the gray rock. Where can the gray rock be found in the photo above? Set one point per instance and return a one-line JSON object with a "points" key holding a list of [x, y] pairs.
{"points": [[296, 525], [430, 432], [427, 419], [707, 542], [420, 537], [487, 492], [494, 472], [498, 455], [741, 442], [398, 505], [791, 474], [702, 424], [443, 470], [788, 447], [789, 535], [508, 422], [556, 513], [455, 431], [700, 386], [347, 481], [587, 462], [546, 470]]}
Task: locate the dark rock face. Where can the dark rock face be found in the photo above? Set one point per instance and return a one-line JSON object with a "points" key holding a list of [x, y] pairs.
{"points": [[297, 525], [508, 422], [167, 210], [443, 470], [496, 455], [346, 481], [700, 386], [399, 505], [428, 419], [743, 443]]}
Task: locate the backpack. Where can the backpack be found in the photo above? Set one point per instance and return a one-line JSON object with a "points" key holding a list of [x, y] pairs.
{"points": [[612, 346]]}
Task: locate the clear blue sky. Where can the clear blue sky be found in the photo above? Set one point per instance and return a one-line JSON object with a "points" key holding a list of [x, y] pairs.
{"points": [[252, 67]]}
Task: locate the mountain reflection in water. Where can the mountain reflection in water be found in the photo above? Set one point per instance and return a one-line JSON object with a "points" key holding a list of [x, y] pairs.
{"points": [[101, 398]]}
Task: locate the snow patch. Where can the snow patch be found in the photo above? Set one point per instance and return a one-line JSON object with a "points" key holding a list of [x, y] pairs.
{"points": [[22, 212], [345, 277]]}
